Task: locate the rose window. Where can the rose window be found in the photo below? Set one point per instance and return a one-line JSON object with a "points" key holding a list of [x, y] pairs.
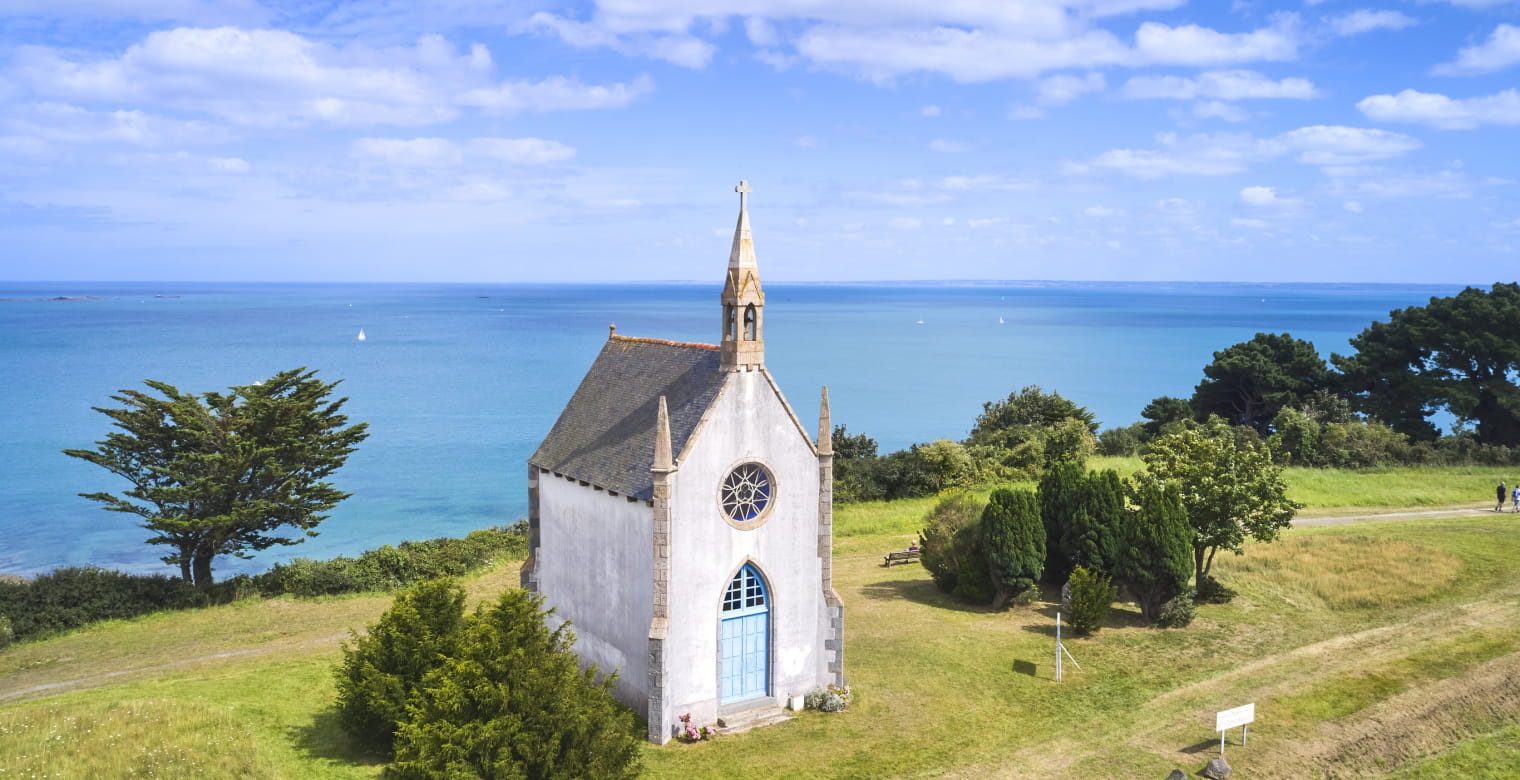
{"points": [[746, 492]]}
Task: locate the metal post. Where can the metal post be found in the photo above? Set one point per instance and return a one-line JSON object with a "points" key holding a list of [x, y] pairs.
{"points": [[1245, 733], [1221, 742], [1058, 647]]}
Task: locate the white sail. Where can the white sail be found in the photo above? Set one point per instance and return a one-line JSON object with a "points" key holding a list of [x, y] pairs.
{"points": [[361, 334]]}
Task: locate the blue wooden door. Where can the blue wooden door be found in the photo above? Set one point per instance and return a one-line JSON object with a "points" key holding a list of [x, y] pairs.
{"points": [[744, 654]]}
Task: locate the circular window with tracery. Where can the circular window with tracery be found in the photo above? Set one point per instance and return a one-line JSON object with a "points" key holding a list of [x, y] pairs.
{"points": [[746, 494]]}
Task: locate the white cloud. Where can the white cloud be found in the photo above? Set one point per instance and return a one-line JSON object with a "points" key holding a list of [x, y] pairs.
{"points": [[1266, 197], [66, 123], [806, 142], [182, 162], [1193, 45], [943, 145], [679, 48], [929, 110], [906, 223], [1102, 212], [1062, 89], [1438, 110], [1218, 85], [1340, 145], [557, 93], [1227, 153], [1255, 224], [443, 153], [1500, 51], [408, 153], [522, 151], [761, 32], [274, 78], [1365, 20], [1215, 109], [1355, 207]]}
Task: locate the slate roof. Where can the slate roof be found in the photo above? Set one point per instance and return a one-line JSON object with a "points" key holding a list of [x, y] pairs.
{"points": [[605, 435]]}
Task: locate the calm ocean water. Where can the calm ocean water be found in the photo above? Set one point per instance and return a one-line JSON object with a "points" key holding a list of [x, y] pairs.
{"points": [[460, 382]]}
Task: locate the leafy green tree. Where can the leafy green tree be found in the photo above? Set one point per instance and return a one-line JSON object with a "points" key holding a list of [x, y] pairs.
{"points": [[1295, 438], [1092, 596], [1024, 415], [1069, 441], [847, 447], [1460, 353], [1155, 558], [385, 667], [939, 551], [1249, 382], [1060, 492], [1164, 415], [947, 464], [513, 702], [1230, 487], [223, 473], [1014, 542]]}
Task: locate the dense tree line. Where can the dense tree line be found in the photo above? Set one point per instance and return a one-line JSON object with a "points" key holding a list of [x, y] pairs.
{"points": [[1458, 355]]}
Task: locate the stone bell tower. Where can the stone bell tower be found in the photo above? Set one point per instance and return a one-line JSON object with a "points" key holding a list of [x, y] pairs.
{"points": [[743, 344]]}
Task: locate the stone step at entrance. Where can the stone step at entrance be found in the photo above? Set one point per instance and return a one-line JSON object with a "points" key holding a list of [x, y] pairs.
{"points": [[766, 714]]}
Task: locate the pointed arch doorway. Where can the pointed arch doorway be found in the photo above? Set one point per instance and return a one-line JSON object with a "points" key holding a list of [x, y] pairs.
{"points": [[744, 648]]}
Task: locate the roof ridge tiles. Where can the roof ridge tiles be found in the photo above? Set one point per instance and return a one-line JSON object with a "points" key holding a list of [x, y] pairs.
{"points": [[666, 342]]}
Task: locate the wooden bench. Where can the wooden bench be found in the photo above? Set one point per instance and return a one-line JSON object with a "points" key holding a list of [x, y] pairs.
{"points": [[901, 556]]}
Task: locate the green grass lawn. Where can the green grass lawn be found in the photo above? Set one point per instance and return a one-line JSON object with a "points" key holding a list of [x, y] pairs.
{"points": [[1375, 648]]}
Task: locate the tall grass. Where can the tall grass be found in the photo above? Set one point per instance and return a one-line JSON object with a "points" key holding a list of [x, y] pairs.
{"points": [[142, 738], [1340, 572]]}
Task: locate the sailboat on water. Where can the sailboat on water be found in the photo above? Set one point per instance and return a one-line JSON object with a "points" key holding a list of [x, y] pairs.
{"points": [[361, 334]]}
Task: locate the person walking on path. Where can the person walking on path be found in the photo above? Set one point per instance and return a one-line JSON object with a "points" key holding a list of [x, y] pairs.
{"points": [[1499, 507], [1516, 495]]}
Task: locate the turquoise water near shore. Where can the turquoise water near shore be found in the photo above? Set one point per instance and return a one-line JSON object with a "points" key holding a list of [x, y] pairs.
{"points": [[459, 382]]}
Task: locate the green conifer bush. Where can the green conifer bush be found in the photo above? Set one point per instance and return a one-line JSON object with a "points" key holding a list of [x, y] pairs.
{"points": [[1091, 597], [1013, 540], [1155, 557], [512, 702], [383, 669]]}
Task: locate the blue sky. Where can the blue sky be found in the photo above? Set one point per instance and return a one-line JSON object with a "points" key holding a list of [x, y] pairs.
{"points": [[465, 140]]}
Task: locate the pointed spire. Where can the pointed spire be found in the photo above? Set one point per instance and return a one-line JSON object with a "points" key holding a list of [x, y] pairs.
{"points": [[662, 457], [742, 256], [825, 427], [743, 342]]}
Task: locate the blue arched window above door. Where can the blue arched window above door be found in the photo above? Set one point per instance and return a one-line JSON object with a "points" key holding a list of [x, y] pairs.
{"points": [[744, 652], [746, 593]]}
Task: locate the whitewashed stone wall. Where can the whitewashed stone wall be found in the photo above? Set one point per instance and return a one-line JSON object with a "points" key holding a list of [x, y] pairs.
{"points": [[594, 562]]}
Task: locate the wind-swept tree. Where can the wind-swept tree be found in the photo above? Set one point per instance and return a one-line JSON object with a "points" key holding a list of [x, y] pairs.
{"points": [[226, 473], [1249, 382], [1461, 354]]}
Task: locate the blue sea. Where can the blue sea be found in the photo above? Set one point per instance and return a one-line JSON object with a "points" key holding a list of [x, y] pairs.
{"points": [[459, 382]]}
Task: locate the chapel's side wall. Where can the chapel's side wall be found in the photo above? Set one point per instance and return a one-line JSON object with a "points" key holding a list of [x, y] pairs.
{"points": [[592, 566], [747, 422]]}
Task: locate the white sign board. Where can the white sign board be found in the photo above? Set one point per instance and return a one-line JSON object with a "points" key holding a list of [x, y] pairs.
{"points": [[1239, 716]]}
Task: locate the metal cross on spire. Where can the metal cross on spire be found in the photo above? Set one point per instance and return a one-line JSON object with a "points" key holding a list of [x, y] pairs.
{"points": [[743, 189]]}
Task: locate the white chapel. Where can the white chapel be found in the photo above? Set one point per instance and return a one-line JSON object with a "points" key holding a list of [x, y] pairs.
{"points": [[681, 518]]}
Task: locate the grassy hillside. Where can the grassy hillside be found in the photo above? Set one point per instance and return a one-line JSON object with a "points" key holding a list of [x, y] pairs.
{"points": [[1374, 648]]}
